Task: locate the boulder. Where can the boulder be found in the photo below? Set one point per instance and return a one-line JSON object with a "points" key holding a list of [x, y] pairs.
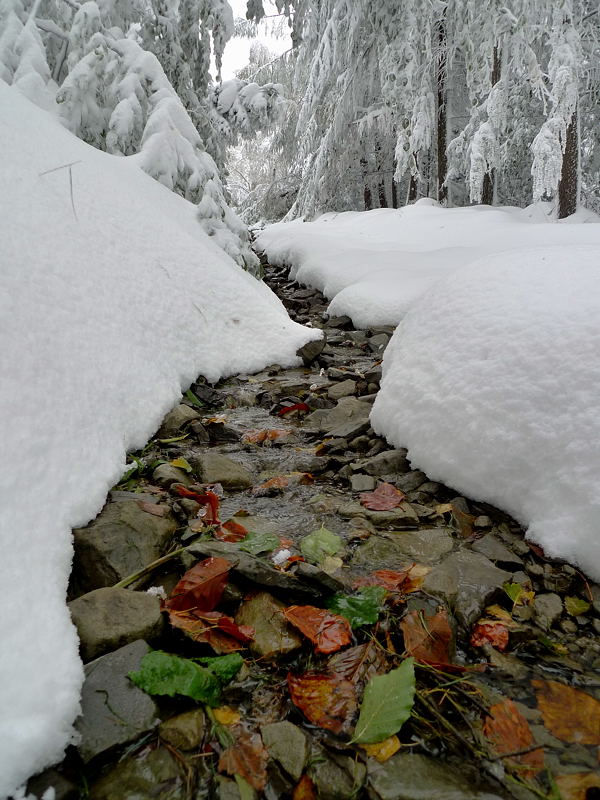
{"points": [[398, 549], [288, 745], [214, 467], [311, 351], [176, 420], [273, 635]]}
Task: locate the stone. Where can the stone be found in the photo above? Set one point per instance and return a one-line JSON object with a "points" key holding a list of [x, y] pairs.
{"points": [[273, 635], [396, 516], [505, 664], [323, 581], [109, 618], [412, 776], [288, 745], [311, 351], [120, 541], [547, 609], [176, 420], [358, 338], [385, 463], [482, 521], [114, 711], [63, 788], [348, 419], [362, 483], [378, 343], [166, 475], [153, 774], [425, 547], [342, 321], [226, 789], [492, 548], [338, 777], [184, 731], [216, 468], [411, 480], [467, 581], [342, 389]]}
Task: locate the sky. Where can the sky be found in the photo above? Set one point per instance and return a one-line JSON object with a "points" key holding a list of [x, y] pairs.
{"points": [[236, 51]]}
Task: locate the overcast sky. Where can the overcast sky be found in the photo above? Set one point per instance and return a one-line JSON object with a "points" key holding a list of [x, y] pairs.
{"points": [[236, 51]]}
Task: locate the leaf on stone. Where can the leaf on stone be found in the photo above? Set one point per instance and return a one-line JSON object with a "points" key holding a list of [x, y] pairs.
{"points": [[518, 594], [508, 732], [265, 435], [331, 564], [209, 499], [382, 751], [201, 587], [328, 632], [490, 631], [575, 786], [224, 667], [181, 463], [385, 498], [428, 639], [575, 606], [361, 609], [387, 704], [246, 791], [319, 544], [156, 509], [405, 581], [231, 531], [460, 520], [304, 789], [163, 673], [281, 482], [216, 629], [325, 700], [295, 407], [358, 664], [247, 758], [260, 542], [582, 722], [226, 715], [195, 401]]}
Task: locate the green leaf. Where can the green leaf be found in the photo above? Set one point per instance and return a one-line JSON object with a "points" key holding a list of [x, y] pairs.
{"points": [[246, 791], [576, 606], [163, 673], [361, 609], [387, 703], [256, 543], [319, 544], [174, 439], [224, 667], [195, 401], [182, 463], [513, 590]]}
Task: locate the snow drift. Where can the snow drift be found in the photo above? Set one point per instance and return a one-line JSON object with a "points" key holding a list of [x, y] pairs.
{"points": [[112, 299]]}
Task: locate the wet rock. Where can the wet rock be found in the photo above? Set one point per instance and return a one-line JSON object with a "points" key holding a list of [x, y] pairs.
{"points": [[387, 462], [176, 420], [63, 788], [114, 711], [325, 583], [505, 664], [202, 434], [430, 487], [154, 774], [109, 618], [121, 540], [492, 548], [165, 475], [288, 745], [342, 389], [467, 581], [206, 394], [402, 515], [273, 635], [362, 483], [482, 522], [424, 547], [348, 419], [358, 338], [547, 609], [217, 468], [556, 580], [411, 776], [185, 731], [338, 777], [311, 351], [378, 343]]}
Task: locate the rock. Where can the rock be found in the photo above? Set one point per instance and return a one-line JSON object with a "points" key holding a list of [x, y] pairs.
{"points": [[348, 419], [311, 351], [120, 541], [63, 788], [216, 468], [378, 343], [338, 777], [153, 774], [362, 483], [430, 487], [288, 745], [505, 664], [273, 635], [411, 480], [177, 419], [342, 321], [547, 609], [467, 581], [411, 776], [114, 711], [184, 731], [165, 475], [226, 789], [492, 548], [109, 618], [325, 583], [342, 389], [425, 547], [482, 521], [386, 463], [396, 516]]}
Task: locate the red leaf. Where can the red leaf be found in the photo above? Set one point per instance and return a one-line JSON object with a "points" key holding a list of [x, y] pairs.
{"points": [[208, 499], [327, 631], [427, 638], [384, 498], [201, 587], [231, 531], [214, 628], [296, 407], [492, 632], [248, 758], [508, 731], [325, 700], [304, 789], [358, 664]]}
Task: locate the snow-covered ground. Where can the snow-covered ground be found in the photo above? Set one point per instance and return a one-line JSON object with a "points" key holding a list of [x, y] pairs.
{"points": [[492, 379], [112, 300]]}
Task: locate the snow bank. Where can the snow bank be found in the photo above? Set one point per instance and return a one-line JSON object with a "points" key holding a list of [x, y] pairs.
{"points": [[112, 299], [492, 381], [374, 264]]}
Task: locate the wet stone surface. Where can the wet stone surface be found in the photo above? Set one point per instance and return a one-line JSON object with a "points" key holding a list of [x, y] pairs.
{"points": [[286, 453]]}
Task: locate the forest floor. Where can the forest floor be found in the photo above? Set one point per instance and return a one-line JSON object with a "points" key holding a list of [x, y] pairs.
{"points": [[318, 555]]}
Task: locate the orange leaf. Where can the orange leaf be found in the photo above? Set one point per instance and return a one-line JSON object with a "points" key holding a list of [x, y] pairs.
{"points": [[575, 786], [266, 435], [490, 631], [248, 758], [382, 750], [582, 722], [384, 498], [216, 629], [406, 581], [231, 531], [282, 482], [304, 789], [327, 631], [427, 638], [325, 700], [508, 731], [201, 587]]}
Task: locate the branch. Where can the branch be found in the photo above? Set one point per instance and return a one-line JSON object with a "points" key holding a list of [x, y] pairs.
{"points": [[52, 28]]}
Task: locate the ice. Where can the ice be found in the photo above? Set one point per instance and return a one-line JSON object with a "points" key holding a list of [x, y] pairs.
{"points": [[112, 300]]}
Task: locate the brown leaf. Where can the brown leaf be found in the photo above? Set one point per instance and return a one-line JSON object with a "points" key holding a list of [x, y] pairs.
{"points": [[155, 509], [231, 531], [490, 631], [281, 482], [201, 587], [216, 629], [327, 631], [462, 521], [325, 700], [575, 786], [427, 638], [304, 789], [508, 731], [405, 581], [384, 498], [582, 722], [358, 664], [248, 758]]}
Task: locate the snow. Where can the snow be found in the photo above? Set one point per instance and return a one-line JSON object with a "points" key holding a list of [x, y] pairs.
{"points": [[112, 301]]}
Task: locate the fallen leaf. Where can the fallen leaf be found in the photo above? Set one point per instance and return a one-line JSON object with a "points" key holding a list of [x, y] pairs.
{"points": [[518, 594], [208, 499], [406, 581], [262, 542], [328, 632], [361, 609], [218, 630], [163, 673], [319, 544], [231, 531], [304, 789], [582, 722], [155, 509], [295, 407], [226, 715], [427, 638], [508, 732], [384, 498], [201, 587], [462, 521], [224, 667], [266, 435], [387, 704], [382, 751], [248, 758], [281, 482], [331, 564], [489, 631], [325, 700], [358, 664], [181, 463], [575, 786], [576, 606]]}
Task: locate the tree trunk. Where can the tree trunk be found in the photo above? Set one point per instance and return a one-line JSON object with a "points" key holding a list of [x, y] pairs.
{"points": [[368, 200], [489, 179], [441, 75], [383, 203], [568, 186]]}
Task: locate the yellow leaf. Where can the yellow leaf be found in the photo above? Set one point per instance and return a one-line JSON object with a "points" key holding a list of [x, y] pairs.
{"points": [[226, 715], [383, 750], [182, 463], [331, 564]]}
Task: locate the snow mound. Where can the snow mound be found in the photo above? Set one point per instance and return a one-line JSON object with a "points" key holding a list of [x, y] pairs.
{"points": [[373, 265], [492, 381], [112, 299]]}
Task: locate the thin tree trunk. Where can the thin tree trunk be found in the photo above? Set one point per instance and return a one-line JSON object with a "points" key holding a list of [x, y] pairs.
{"points": [[442, 159], [383, 203], [394, 193], [568, 186], [368, 200], [489, 179]]}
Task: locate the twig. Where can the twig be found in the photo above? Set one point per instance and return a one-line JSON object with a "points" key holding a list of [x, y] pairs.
{"points": [[69, 167], [148, 568]]}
